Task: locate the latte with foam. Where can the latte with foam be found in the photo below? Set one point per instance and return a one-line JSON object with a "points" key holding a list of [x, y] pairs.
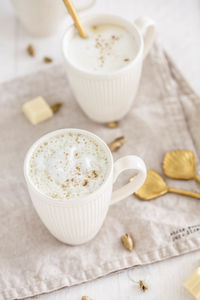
{"points": [[68, 165], [107, 48]]}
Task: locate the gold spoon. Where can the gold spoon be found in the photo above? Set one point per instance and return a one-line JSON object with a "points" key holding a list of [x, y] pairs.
{"points": [[75, 17], [180, 164], [155, 186]]}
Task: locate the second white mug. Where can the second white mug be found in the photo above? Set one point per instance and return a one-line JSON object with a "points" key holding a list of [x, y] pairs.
{"points": [[106, 97], [44, 17]]}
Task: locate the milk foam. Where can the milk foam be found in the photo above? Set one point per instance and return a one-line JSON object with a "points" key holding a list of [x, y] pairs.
{"points": [[107, 48], [68, 165]]}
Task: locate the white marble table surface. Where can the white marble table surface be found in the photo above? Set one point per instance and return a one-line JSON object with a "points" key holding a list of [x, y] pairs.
{"points": [[178, 26]]}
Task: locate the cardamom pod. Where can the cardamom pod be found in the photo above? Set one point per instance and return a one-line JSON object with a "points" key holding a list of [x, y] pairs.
{"points": [[121, 139], [127, 241], [31, 50], [48, 59], [55, 107], [113, 124], [117, 143], [143, 285], [86, 298]]}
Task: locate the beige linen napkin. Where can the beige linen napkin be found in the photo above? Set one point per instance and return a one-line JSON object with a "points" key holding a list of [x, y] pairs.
{"points": [[165, 116]]}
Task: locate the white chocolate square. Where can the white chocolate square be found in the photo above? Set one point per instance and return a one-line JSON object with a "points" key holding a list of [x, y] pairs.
{"points": [[37, 110], [192, 284]]}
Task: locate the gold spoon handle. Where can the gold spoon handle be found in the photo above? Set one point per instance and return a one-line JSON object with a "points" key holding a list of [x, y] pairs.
{"points": [[185, 193], [197, 178], [75, 17]]}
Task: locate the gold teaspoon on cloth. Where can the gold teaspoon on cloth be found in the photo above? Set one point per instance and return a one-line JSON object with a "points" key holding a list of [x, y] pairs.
{"points": [[180, 164], [155, 186]]}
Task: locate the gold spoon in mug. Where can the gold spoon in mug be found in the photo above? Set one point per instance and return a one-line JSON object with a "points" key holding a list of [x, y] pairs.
{"points": [[155, 186], [180, 164], [75, 17]]}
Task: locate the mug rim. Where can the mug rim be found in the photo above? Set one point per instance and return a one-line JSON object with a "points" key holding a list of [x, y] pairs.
{"points": [[74, 200], [109, 17]]}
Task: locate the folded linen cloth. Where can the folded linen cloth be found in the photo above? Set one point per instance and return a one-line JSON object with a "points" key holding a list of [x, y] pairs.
{"points": [[164, 117]]}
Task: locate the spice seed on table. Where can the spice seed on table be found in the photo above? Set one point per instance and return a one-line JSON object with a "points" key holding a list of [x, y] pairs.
{"points": [[117, 143], [113, 124], [47, 59], [127, 241], [56, 107], [31, 50], [143, 285]]}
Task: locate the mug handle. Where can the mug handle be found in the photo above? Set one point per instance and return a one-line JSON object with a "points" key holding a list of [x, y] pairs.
{"points": [[147, 28], [85, 6], [126, 163]]}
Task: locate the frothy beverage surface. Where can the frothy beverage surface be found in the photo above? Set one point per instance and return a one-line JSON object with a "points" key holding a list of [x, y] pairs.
{"points": [[107, 48], [68, 165]]}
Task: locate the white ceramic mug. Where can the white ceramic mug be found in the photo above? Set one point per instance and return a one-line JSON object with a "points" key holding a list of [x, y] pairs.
{"points": [[109, 97], [76, 221], [44, 17]]}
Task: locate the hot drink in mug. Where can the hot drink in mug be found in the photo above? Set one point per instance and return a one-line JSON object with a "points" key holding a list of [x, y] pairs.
{"points": [[104, 69], [70, 175]]}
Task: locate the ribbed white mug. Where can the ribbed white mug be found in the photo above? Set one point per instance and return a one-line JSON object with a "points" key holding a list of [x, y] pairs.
{"points": [[76, 221], [109, 96]]}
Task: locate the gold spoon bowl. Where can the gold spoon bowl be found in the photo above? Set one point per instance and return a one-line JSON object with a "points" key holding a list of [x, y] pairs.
{"points": [[155, 186], [180, 164]]}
